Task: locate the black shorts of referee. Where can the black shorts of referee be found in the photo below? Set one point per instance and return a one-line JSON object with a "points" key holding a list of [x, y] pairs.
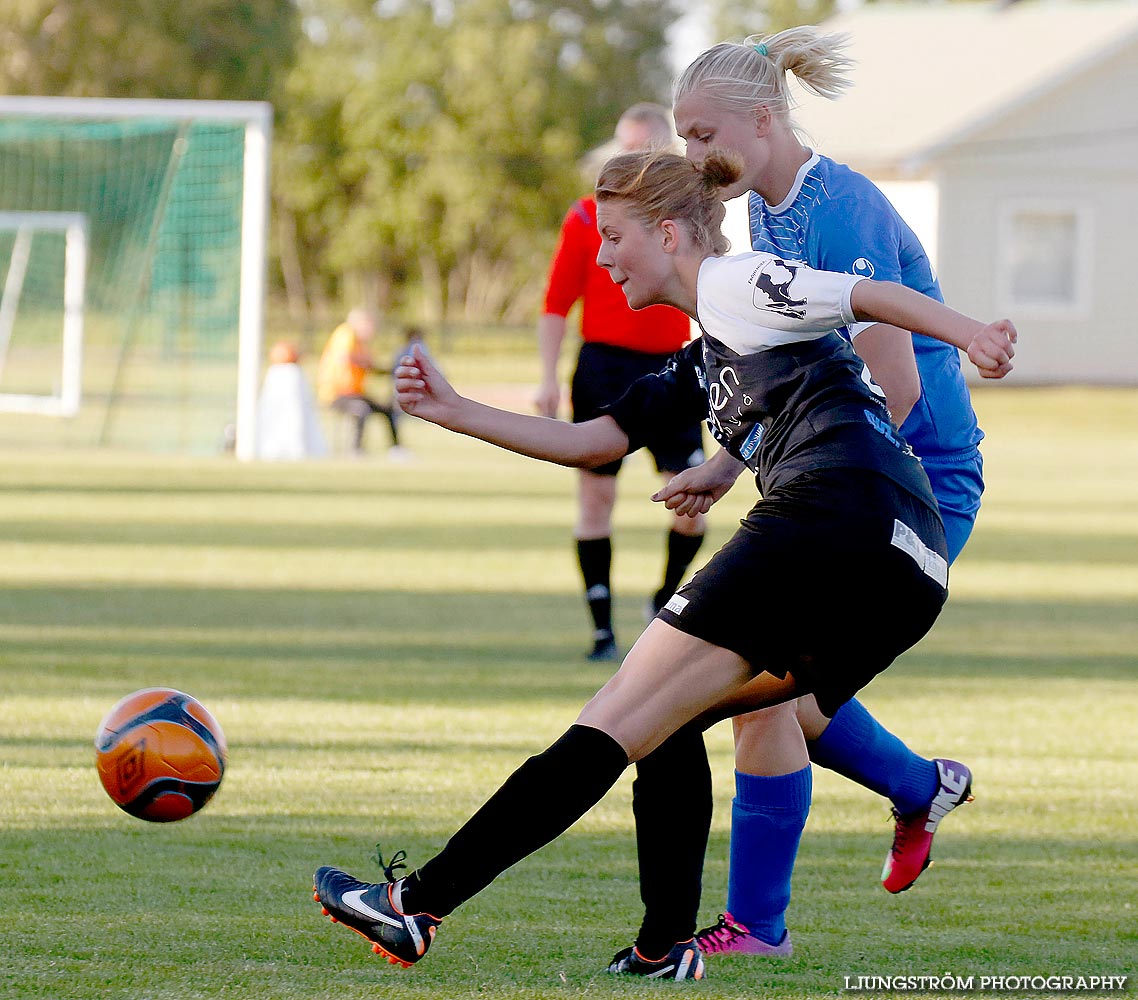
{"points": [[829, 578], [603, 374]]}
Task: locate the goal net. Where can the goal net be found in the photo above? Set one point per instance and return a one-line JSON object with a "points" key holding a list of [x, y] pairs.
{"points": [[132, 264]]}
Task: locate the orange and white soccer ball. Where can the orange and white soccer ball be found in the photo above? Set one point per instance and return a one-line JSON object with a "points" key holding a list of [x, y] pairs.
{"points": [[160, 754]]}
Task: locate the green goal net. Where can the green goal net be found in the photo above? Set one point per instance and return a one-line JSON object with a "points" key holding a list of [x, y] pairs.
{"points": [[162, 188]]}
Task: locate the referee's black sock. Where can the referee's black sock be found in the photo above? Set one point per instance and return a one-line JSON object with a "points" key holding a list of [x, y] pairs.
{"points": [[681, 551], [672, 802], [595, 557], [537, 803]]}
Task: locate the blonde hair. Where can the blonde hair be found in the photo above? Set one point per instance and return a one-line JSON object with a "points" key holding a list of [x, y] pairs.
{"points": [[742, 77], [658, 185]]}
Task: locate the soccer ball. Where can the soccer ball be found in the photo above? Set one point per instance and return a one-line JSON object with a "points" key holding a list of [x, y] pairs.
{"points": [[160, 754]]}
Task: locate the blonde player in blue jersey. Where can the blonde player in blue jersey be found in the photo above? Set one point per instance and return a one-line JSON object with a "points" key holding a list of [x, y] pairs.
{"points": [[804, 206]]}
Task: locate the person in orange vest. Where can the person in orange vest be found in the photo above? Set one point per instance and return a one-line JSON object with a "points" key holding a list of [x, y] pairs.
{"points": [[344, 367]]}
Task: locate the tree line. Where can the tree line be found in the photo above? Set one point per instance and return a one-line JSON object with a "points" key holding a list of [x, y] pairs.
{"points": [[425, 151]]}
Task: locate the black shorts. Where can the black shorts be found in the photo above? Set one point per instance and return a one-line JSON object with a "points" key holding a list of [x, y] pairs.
{"points": [[602, 376], [829, 579]]}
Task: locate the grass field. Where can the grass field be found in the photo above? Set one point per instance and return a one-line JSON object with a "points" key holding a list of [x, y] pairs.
{"points": [[384, 643]]}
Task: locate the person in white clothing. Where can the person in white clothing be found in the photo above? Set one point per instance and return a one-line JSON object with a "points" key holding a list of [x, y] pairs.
{"points": [[288, 428]]}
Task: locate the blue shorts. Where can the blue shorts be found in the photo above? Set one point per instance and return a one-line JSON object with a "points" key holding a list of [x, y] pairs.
{"points": [[957, 482]]}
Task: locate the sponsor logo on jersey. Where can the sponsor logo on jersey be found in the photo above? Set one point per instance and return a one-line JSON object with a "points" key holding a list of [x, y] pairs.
{"points": [[720, 393], [750, 444], [772, 284], [676, 604], [863, 267], [884, 428]]}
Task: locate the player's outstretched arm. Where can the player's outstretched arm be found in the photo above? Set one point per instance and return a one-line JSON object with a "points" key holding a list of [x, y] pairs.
{"points": [[423, 392], [990, 347], [693, 491]]}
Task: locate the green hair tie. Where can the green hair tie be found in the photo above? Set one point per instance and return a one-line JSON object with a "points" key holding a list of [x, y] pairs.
{"points": [[761, 49]]}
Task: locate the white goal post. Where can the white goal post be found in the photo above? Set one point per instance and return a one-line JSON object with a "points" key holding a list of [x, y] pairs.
{"points": [[256, 117], [26, 225]]}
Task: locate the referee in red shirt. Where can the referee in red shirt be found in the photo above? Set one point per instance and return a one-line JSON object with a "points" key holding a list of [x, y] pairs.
{"points": [[620, 345]]}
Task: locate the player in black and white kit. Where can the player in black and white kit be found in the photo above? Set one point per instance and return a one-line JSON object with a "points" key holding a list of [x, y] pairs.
{"points": [[846, 539], [845, 504]]}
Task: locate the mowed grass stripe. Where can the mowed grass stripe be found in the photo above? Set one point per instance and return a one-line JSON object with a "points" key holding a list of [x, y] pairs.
{"points": [[385, 643]]}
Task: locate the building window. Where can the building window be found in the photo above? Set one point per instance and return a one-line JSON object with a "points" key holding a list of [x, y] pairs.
{"points": [[1044, 260]]}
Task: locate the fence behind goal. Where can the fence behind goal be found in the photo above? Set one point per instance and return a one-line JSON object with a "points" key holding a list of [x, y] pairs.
{"points": [[164, 190]]}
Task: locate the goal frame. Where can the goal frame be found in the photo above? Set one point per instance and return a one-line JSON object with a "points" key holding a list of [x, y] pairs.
{"points": [[257, 117], [73, 225]]}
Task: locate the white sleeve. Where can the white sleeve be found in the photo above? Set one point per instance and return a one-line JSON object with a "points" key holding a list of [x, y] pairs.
{"points": [[759, 300]]}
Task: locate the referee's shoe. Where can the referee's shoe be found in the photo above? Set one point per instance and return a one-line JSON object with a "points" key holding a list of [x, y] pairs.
{"points": [[374, 911], [684, 961]]}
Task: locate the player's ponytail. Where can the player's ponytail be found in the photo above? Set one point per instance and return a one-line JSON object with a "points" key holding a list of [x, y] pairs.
{"points": [[743, 77], [720, 168], [658, 186]]}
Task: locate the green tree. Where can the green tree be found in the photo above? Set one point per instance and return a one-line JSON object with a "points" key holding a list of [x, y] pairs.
{"points": [[206, 49], [427, 155], [734, 20]]}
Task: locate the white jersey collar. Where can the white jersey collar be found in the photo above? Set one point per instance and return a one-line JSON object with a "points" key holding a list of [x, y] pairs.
{"points": [[803, 170]]}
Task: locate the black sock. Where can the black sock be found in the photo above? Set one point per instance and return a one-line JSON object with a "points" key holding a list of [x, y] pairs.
{"points": [[537, 803], [681, 551], [391, 423], [671, 800], [595, 557]]}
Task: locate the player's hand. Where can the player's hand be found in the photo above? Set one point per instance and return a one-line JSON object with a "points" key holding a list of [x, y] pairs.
{"points": [[993, 348], [547, 399], [694, 491], [421, 389]]}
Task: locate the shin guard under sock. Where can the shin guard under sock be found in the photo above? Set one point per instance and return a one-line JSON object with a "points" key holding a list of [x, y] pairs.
{"points": [[767, 818], [595, 558], [681, 551], [537, 803], [671, 801], [857, 746]]}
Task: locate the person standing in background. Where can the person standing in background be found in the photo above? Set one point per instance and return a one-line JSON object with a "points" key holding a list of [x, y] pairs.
{"points": [[287, 425], [620, 345], [344, 367]]}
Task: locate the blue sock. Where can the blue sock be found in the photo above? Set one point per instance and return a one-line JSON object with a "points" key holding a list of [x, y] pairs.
{"points": [[856, 745], [767, 817]]}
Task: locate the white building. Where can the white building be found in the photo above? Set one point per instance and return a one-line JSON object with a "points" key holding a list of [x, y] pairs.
{"points": [[1007, 134]]}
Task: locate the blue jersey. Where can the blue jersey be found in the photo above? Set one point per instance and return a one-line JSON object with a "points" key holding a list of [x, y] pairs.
{"points": [[835, 219]]}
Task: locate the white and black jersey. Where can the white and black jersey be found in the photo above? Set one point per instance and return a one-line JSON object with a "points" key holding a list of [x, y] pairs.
{"points": [[847, 531], [780, 389]]}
